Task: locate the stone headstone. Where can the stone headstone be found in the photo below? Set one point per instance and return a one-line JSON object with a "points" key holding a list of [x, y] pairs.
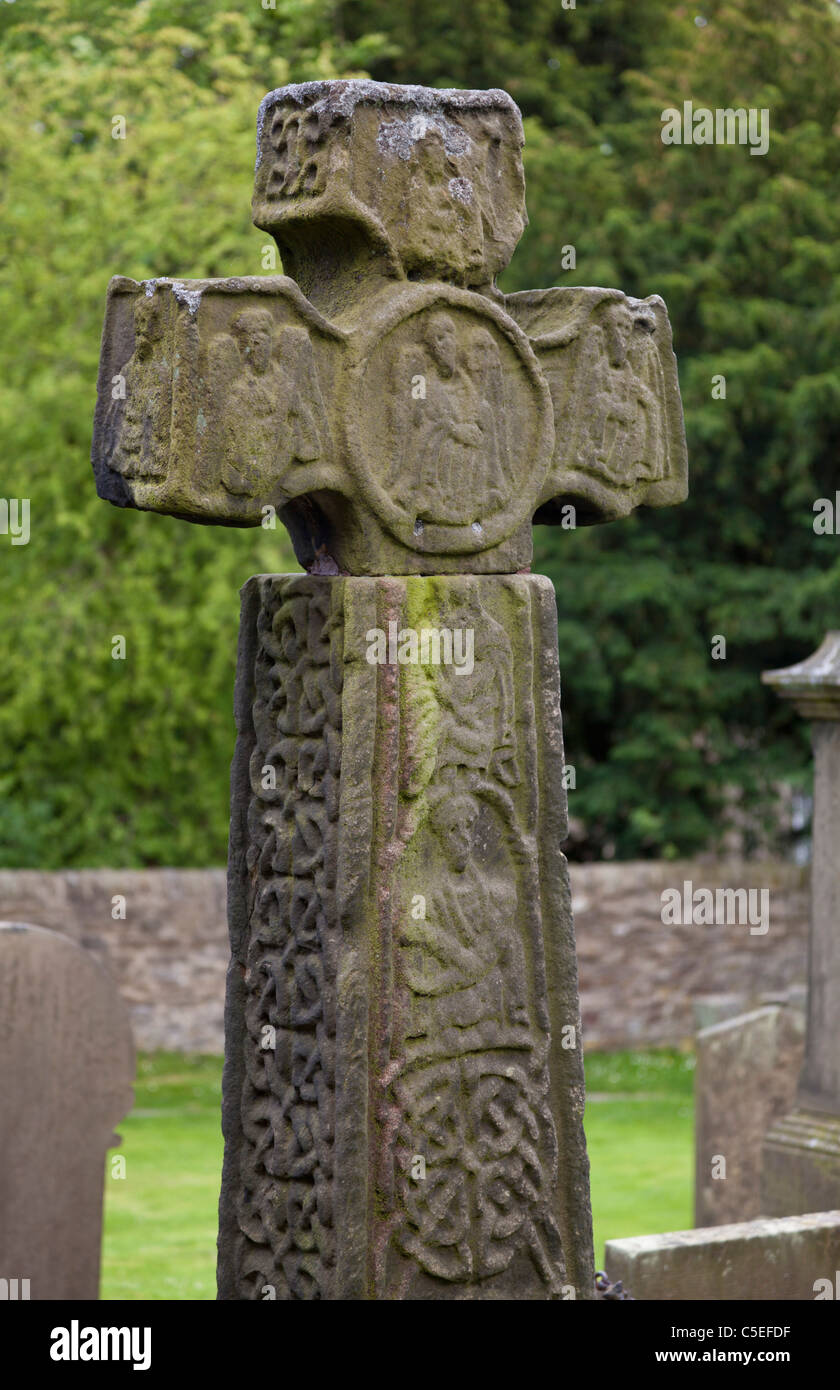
{"points": [[403, 1088], [746, 1075], [66, 1075], [801, 1159]]}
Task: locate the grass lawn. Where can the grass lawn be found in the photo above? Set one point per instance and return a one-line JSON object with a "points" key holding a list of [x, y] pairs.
{"points": [[160, 1219], [640, 1135]]}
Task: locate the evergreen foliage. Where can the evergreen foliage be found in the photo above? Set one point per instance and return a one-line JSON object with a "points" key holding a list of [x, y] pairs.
{"points": [[124, 762]]}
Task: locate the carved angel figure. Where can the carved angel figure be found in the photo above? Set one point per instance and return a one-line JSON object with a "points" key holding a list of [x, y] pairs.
{"points": [[464, 963], [270, 403], [450, 445], [620, 424], [139, 440], [476, 728]]}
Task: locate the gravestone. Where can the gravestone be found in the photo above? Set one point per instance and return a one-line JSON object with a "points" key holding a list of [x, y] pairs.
{"points": [[745, 1079], [66, 1075], [793, 1258], [801, 1156], [403, 1088]]}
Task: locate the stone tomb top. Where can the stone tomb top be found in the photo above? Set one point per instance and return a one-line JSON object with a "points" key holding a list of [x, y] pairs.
{"points": [[397, 411], [812, 684]]}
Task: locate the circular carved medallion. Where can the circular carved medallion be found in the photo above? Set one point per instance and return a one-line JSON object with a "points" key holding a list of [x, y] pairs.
{"points": [[450, 429]]}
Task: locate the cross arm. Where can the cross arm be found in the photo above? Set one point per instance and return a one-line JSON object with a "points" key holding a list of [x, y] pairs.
{"points": [[619, 437], [212, 397]]}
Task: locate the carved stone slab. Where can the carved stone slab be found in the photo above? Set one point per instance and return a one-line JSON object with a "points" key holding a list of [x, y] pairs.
{"points": [[403, 1089], [66, 1074]]}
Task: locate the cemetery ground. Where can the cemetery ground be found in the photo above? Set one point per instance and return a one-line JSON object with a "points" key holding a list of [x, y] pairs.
{"points": [[161, 1218]]}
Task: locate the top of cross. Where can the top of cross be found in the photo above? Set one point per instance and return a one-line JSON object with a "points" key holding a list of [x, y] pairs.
{"points": [[405, 182], [394, 407]]}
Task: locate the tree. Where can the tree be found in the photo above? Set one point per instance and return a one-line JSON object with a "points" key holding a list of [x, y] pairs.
{"points": [[111, 761]]}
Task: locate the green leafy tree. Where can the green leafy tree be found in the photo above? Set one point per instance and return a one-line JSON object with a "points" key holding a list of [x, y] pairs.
{"points": [[112, 761], [124, 761]]}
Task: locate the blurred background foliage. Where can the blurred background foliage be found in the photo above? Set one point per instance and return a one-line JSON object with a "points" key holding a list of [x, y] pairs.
{"points": [[125, 762]]}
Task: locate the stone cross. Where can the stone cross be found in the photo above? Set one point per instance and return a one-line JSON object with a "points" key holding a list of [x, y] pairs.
{"points": [[801, 1155], [403, 1089]]}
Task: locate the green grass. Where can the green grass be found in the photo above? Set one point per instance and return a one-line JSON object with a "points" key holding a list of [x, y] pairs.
{"points": [[640, 1135], [160, 1220]]}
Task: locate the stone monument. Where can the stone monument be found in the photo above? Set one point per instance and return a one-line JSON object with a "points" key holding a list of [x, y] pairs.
{"points": [[801, 1154], [744, 1080], [66, 1075], [403, 1088]]}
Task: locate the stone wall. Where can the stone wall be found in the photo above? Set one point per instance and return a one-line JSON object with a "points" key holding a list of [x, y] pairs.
{"points": [[169, 955], [638, 977]]}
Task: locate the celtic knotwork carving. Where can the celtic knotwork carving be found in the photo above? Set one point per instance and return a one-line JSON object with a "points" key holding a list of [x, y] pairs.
{"points": [[483, 1127], [285, 1215]]}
